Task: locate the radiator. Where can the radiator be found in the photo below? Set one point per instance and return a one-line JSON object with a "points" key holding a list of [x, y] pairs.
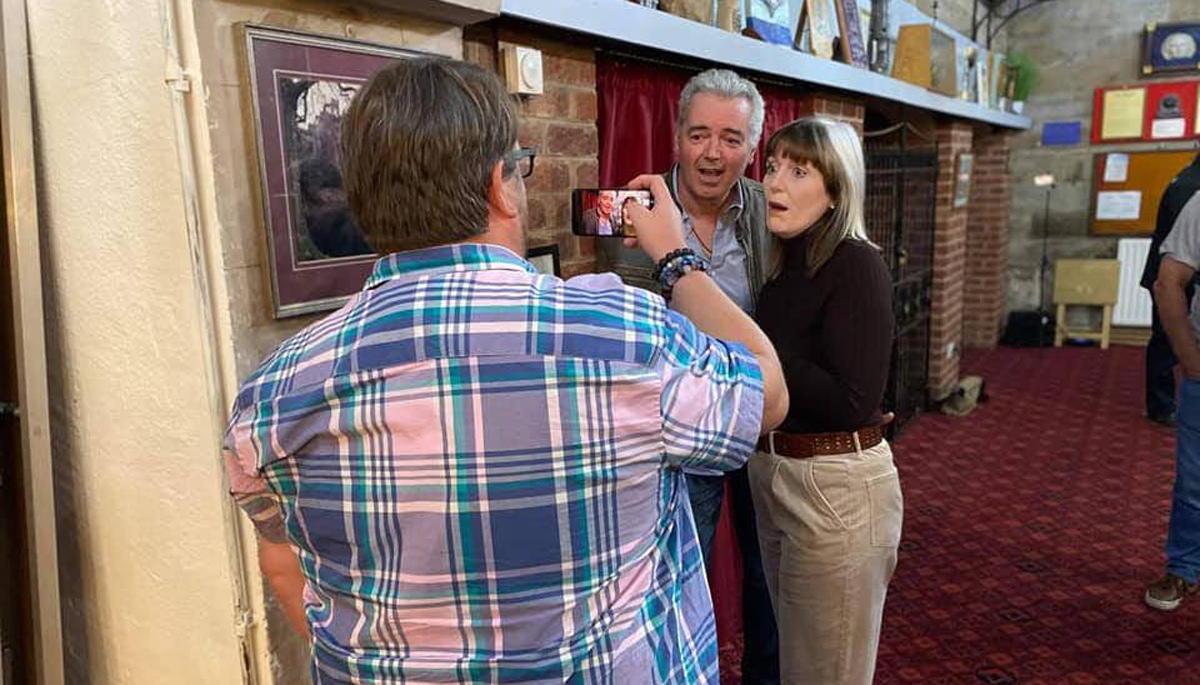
{"points": [[1133, 301]]}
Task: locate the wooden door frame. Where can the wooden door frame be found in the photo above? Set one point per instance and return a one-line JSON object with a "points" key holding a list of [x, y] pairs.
{"points": [[21, 230]]}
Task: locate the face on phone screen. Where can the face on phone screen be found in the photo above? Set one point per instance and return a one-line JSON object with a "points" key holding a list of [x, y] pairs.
{"points": [[605, 211]]}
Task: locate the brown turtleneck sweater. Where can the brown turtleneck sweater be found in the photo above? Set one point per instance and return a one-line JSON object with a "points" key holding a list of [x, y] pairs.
{"points": [[833, 332]]}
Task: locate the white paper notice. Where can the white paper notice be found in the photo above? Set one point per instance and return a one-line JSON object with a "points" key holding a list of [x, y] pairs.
{"points": [[1116, 167], [1168, 128], [1123, 205]]}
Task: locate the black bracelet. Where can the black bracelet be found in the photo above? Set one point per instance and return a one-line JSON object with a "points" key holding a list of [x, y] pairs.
{"points": [[671, 256], [677, 269]]}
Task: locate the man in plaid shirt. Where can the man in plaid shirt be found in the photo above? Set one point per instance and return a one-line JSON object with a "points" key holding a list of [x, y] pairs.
{"points": [[471, 472]]}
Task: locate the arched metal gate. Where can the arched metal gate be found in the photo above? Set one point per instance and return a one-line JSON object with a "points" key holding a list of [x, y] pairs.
{"points": [[901, 195]]}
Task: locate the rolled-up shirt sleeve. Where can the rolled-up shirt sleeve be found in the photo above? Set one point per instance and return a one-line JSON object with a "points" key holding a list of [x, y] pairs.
{"points": [[712, 398], [247, 487]]}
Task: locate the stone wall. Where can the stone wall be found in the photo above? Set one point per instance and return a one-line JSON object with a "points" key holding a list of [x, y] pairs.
{"points": [[1080, 45]]}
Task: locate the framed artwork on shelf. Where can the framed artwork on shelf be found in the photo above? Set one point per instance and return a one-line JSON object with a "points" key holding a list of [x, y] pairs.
{"points": [[545, 259], [770, 20], [818, 27], [968, 80], [911, 61], [696, 10], [995, 79], [729, 15], [864, 25], [1171, 48], [300, 87], [943, 62], [852, 38], [926, 57], [983, 80]]}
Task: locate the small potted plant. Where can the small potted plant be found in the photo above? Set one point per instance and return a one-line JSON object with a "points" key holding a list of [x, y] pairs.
{"points": [[1022, 77]]}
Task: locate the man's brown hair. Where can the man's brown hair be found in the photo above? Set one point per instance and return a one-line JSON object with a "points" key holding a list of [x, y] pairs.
{"points": [[418, 146]]}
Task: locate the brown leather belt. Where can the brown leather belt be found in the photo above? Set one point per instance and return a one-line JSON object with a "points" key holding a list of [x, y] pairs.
{"points": [[805, 445]]}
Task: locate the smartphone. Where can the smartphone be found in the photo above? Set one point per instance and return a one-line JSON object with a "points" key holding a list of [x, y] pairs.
{"points": [[602, 211]]}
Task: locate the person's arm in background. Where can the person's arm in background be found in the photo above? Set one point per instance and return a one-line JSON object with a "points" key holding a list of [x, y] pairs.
{"points": [[696, 296], [1171, 299], [276, 558], [279, 563], [1180, 257]]}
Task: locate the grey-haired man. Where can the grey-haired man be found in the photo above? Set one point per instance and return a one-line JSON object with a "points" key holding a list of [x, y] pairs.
{"points": [[724, 218]]}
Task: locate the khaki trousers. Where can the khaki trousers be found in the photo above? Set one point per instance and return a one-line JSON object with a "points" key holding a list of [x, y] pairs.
{"points": [[829, 527]]}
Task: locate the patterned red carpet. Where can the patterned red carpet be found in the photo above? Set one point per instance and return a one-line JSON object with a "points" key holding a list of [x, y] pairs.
{"points": [[1030, 529]]}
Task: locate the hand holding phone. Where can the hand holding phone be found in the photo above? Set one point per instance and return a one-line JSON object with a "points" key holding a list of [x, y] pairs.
{"points": [[604, 212], [659, 231]]}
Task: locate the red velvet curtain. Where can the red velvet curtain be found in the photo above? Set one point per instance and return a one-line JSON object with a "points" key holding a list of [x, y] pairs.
{"points": [[637, 104]]}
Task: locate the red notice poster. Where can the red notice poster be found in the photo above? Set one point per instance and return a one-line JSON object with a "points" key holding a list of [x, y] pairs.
{"points": [[1170, 110]]}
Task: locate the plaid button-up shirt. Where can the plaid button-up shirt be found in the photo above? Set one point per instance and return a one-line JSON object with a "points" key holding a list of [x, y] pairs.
{"points": [[479, 469]]}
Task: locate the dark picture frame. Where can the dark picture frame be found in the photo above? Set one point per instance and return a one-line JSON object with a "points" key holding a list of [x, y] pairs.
{"points": [[853, 44], [299, 86], [1171, 48], [545, 259], [962, 179]]}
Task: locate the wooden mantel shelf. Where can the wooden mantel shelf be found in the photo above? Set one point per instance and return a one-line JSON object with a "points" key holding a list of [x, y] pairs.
{"points": [[630, 23]]}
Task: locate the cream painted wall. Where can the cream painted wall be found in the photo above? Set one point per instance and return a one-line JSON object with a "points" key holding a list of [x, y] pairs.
{"points": [[145, 557], [149, 547]]}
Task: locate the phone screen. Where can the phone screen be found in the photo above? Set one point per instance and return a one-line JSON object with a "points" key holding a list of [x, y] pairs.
{"points": [[605, 211]]}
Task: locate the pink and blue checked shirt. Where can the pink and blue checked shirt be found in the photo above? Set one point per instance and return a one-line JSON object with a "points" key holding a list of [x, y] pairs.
{"points": [[479, 468]]}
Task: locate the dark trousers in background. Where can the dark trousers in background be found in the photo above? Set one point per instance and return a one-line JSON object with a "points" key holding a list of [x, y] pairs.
{"points": [[1160, 368], [760, 658]]}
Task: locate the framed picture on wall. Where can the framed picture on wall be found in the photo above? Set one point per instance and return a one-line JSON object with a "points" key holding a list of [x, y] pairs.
{"points": [[1171, 48], [962, 179], [545, 259], [300, 86]]}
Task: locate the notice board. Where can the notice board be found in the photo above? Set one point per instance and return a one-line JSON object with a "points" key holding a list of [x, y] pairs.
{"points": [[1127, 187]]}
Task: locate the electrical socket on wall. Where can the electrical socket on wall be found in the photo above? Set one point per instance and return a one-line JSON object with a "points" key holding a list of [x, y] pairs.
{"points": [[951, 349]]}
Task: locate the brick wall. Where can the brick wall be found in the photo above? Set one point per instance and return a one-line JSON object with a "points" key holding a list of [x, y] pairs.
{"points": [[987, 241], [834, 107], [949, 263], [561, 124]]}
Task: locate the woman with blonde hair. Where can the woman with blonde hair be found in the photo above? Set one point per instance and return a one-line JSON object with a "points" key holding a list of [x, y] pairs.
{"points": [[825, 490]]}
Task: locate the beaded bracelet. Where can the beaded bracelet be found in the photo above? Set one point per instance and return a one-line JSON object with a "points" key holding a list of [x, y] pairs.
{"points": [[671, 256], [673, 268]]}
